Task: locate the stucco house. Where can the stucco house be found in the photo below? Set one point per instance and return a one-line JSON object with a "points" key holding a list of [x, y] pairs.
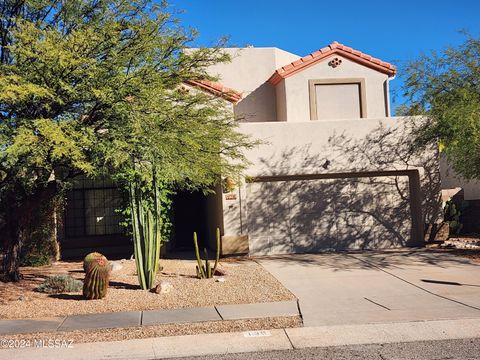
{"points": [[334, 171]]}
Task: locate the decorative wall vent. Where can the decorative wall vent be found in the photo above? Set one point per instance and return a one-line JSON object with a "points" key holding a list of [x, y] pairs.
{"points": [[335, 62]]}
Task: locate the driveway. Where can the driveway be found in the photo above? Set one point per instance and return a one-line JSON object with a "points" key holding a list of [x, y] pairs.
{"points": [[372, 286]]}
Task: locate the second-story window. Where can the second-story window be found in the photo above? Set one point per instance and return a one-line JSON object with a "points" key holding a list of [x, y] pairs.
{"points": [[337, 99]]}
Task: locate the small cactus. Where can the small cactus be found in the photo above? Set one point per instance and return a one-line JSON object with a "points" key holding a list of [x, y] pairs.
{"points": [[206, 271], [97, 275]]}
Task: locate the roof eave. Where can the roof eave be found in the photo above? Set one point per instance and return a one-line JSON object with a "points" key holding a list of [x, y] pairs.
{"points": [[309, 60], [217, 90]]}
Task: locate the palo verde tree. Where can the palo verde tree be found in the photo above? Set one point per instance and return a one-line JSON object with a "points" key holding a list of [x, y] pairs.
{"points": [[90, 86], [445, 87]]}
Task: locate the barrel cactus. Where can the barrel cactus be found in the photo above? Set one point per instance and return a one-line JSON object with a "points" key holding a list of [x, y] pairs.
{"points": [[90, 259], [96, 278]]}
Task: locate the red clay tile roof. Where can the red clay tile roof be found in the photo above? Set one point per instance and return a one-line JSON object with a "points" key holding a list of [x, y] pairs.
{"points": [[217, 89], [333, 49]]}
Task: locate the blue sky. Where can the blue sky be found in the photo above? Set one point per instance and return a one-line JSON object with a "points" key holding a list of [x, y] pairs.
{"points": [[394, 31]]}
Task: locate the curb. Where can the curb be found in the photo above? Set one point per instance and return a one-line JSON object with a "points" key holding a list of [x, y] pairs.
{"points": [[150, 317], [253, 341]]}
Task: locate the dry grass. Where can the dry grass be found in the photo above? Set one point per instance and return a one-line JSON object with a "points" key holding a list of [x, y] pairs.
{"points": [[245, 282], [140, 332]]}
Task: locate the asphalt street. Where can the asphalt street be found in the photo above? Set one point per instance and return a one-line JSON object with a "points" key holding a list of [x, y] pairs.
{"points": [[464, 349]]}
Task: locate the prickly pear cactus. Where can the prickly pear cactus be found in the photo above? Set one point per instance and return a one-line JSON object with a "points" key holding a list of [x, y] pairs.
{"points": [[97, 275], [90, 258]]}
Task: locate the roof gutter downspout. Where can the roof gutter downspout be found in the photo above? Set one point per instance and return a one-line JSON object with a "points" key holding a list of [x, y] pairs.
{"points": [[387, 95]]}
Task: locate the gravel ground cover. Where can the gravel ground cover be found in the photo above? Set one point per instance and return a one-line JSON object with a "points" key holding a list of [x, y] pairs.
{"points": [[245, 282]]}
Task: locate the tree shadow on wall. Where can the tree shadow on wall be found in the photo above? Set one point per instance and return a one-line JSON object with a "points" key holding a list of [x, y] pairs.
{"points": [[340, 211]]}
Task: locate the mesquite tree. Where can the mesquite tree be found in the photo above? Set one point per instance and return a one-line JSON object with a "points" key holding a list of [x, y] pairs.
{"points": [[445, 86], [95, 86]]}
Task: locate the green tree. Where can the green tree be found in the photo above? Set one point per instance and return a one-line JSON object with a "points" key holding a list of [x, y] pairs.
{"points": [[91, 86], [445, 87]]}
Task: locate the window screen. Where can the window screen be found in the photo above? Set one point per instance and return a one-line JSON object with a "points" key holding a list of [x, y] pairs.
{"points": [[338, 101], [91, 209]]}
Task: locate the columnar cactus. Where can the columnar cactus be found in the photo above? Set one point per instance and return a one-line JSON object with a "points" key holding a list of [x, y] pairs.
{"points": [[147, 240], [96, 278], [206, 271]]}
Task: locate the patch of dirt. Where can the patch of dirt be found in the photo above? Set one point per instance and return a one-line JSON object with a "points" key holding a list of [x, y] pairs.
{"points": [[465, 246], [473, 255], [119, 334], [245, 282]]}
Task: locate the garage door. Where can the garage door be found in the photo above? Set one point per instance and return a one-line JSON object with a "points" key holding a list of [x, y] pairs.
{"points": [[367, 212]]}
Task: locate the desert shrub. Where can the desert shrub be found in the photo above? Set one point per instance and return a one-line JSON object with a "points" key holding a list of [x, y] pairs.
{"points": [[41, 245], [39, 259], [59, 284]]}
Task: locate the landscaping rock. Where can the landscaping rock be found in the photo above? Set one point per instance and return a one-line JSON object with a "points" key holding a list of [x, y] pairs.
{"points": [[165, 287], [116, 266], [156, 289], [219, 272], [462, 243]]}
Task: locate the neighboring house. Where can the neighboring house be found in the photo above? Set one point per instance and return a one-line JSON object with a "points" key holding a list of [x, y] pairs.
{"points": [[334, 170]]}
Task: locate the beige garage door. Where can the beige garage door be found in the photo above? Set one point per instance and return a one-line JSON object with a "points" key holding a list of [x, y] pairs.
{"points": [[328, 214]]}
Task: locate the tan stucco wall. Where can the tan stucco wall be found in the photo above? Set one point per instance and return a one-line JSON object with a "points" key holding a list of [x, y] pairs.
{"points": [[250, 67], [297, 87], [451, 180], [289, 100], [287, 145], [347, 146], [259, 105], [247, 73], [281, 103]]}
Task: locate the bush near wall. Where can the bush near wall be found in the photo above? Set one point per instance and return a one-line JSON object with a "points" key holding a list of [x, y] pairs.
{"points": [[41, 246]]}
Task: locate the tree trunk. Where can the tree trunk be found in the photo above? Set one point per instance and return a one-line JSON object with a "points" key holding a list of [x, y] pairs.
{"points": [[21, 218], [12, 246]]}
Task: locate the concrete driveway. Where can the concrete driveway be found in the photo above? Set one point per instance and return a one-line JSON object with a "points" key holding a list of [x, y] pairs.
{"points": [[379, 287]]}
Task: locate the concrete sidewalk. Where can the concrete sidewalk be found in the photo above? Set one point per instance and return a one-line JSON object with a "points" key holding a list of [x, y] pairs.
{"points": [[150, 317], [379, 287], [224, 343]]}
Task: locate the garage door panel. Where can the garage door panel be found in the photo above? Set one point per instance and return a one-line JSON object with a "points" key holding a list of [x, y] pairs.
{"points": [[268, 209], [314, 224], [326, 214], [265, 245], [308, 197], [321, 228]]}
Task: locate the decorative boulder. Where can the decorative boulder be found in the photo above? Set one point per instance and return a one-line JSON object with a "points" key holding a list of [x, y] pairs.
{"points": [[115, 266]]}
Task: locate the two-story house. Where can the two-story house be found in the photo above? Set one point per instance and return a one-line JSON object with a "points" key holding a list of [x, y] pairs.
{"points": [[334, 171]]}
